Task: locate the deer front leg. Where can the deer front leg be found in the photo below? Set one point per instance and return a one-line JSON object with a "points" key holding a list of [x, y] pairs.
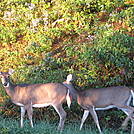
{"points": [[95, 117], [23, 110], [30, 113]]}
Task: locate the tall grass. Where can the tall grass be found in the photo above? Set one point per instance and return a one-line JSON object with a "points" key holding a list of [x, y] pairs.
{"points": [[11, 126]]}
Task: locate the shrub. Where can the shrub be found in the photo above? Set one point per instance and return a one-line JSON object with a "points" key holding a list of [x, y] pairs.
{"points": [[44, 41]]}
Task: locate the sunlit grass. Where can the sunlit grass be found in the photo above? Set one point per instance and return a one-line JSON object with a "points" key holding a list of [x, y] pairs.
{"points": [[10, 126]]}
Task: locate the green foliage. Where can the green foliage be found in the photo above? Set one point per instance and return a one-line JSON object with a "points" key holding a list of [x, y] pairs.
{"points": [[102, 62], [44, 41]]}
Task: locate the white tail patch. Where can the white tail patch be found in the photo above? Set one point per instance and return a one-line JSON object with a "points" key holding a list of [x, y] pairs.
{"points": [[132, 92], [68, 99], [69, 78]]}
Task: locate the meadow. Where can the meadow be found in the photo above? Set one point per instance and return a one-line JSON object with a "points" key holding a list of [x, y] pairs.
{"points": [[11, 126]]}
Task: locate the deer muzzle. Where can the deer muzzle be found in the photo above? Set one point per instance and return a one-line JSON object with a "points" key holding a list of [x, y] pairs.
{"points": [[6, 84]]}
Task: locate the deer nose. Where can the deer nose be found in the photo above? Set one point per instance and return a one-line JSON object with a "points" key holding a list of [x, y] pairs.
{"points": [[5, 84]]}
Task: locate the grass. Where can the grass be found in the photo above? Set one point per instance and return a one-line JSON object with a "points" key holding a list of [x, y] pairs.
{"points": [[10, 126]]}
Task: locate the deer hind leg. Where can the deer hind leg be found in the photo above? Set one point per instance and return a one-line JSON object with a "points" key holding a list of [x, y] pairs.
{"points": [[125, 122], [23, 111], [30, 113], [95, 117], [85, 115], [62, 115], [129, 111]]}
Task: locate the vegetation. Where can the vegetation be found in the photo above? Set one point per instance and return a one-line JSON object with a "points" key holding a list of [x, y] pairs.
{"points": [[44, 41], [12, 127]]}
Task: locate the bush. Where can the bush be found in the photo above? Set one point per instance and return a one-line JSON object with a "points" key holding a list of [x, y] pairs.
{"points": [[44, 41]]}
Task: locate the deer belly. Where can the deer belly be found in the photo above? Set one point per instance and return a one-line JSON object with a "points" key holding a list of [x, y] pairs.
{"points": [[42, 105], [105, 108], [35, 105], [20, 104]]}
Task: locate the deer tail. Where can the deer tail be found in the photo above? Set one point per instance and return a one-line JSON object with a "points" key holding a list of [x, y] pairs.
{"points": [[132, 93], [69, 99]]}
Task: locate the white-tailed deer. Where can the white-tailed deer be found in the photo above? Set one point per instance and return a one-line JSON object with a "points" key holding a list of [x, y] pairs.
{"points": [[37, 95], [102, 99]]}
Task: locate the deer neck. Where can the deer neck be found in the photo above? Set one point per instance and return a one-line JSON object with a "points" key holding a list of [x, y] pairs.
{"points": [[72, 90], [10, 89]]}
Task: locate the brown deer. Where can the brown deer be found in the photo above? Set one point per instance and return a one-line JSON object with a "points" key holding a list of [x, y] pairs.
{"points": [[28, 96], [102, 99]]}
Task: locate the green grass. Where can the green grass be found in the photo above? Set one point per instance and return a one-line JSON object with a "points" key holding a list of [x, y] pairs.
{"points": [[10, 126]]}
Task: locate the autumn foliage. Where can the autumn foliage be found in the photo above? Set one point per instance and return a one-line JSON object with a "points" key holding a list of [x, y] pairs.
{"points": [[46, 40]]}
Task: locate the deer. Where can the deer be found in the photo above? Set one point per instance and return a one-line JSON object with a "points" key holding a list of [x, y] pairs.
{"points": [[102, 99], [28, 96]]}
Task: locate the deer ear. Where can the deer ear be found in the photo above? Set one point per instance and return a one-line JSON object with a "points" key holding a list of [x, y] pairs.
{"points": [[11, 71], [0, 73]]}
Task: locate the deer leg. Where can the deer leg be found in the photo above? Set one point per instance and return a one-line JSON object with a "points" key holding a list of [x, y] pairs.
{"points": [[95, 117], [132, 127], [62, 115], [23, 111], [129, 111], [30, 113], [85, 115], [125, 122]]}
